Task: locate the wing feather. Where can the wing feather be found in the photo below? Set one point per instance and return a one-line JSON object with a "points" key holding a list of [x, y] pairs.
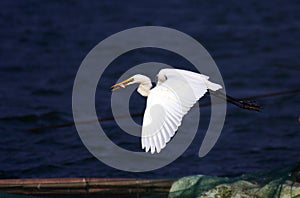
{"points": [[168, 102]]}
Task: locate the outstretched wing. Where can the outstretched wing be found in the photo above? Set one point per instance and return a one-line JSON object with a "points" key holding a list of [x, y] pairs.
{"points": [[167, 103]]}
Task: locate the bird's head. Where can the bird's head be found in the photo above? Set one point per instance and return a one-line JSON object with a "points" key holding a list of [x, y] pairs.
{"points": [[138, 78]]}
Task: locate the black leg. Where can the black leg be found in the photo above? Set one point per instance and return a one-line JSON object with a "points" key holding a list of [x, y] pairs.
{"points": [[245, 104]]}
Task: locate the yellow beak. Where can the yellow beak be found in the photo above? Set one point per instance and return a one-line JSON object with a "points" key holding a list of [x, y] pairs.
{"points": [[122, 84]]}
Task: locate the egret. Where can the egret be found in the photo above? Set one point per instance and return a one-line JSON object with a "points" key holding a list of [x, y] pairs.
{"points": [[175, 93]]}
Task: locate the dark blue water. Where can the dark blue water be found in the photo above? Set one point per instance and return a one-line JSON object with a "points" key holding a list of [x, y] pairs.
{"points": [[255, 45]]}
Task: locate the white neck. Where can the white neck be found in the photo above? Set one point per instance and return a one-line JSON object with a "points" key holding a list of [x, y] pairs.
{"points": [[144, 84]]}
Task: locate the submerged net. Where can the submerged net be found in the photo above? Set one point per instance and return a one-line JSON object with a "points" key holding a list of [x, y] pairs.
{"points": [[283, 182]]}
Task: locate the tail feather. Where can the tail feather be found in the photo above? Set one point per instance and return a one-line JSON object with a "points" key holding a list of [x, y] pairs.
{"points": [[213, 86]]}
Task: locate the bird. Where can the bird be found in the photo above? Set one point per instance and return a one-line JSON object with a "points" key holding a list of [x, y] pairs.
{"points": [[175, 93]]}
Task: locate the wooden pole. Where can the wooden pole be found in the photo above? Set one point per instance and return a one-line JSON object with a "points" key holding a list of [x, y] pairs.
{"points": [[106, 187]]}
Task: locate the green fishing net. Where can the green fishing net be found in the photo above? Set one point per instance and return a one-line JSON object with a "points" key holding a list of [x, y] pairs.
{"points": [[280, 182]]}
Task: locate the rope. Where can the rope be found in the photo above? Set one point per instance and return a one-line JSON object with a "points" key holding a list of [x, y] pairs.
{"points": [[68, 124]]}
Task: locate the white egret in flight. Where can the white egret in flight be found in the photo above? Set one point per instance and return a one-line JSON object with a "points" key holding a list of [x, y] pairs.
{"points": [[176, 91]]}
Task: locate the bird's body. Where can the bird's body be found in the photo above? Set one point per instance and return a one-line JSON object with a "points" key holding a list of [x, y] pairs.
{"points": [[173, 96], [175, 93]]}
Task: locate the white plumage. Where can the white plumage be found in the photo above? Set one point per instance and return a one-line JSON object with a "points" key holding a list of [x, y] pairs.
{"points": [[174, 95]]}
